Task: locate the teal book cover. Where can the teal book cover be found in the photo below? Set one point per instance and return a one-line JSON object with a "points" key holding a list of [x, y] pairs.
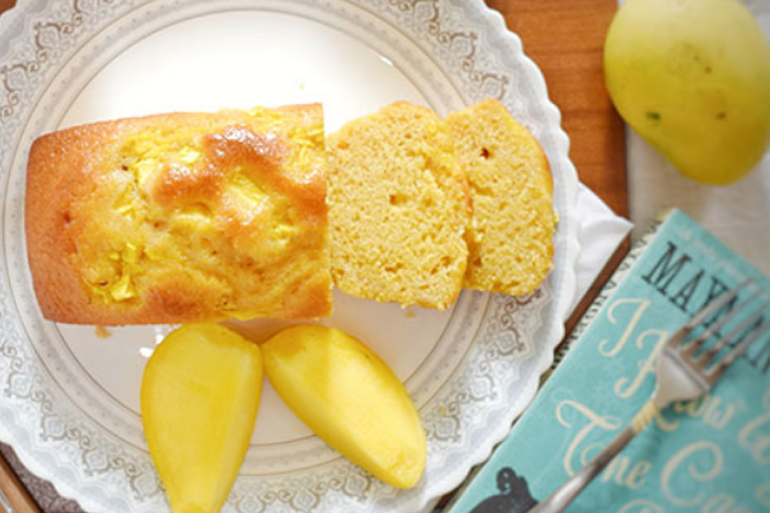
{"points": [[707, 456]]}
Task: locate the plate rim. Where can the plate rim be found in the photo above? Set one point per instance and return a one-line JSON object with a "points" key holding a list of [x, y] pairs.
{"points": [[572, 242], [494, 24]]}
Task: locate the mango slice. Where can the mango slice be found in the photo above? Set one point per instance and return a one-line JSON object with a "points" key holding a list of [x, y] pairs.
{"points": [[350, 398], [200, 395]]}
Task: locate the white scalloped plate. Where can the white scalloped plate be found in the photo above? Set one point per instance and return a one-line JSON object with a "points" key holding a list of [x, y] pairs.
{"points": [[69, 399]]}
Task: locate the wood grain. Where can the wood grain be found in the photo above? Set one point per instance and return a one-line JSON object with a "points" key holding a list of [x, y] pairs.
{"points": [[6, 4], [14, 491], [566, 38]]}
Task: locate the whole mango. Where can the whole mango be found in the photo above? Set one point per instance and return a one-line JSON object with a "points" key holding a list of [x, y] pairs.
{"points": [[692, 77]]}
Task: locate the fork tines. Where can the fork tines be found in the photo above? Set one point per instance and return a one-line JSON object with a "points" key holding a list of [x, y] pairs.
{"points": [[738, 339]]}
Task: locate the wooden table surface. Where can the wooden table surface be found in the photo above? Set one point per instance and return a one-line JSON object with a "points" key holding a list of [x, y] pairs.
{"points": [[565, 38]]}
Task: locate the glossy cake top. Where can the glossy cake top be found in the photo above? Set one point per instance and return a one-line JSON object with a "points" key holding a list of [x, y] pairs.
{"points": [[183, 217]]}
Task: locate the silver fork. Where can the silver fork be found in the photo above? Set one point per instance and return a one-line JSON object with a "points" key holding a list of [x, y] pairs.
{"points": [[683, 373]]}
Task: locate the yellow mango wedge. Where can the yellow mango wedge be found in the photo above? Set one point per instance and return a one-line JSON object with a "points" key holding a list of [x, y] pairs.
{"points": [[200, 396], [350, 398]]}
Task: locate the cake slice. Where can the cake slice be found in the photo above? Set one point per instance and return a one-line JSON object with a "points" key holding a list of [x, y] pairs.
{"points": [[181, 217], [511, 237], [398, 208]]}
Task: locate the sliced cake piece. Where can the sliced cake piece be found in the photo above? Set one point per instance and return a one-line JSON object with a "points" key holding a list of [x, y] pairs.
{"points": [[398, 208], [511, 236]]}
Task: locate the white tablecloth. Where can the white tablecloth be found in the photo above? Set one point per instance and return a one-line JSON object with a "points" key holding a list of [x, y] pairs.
{"points": [[737, 214]]}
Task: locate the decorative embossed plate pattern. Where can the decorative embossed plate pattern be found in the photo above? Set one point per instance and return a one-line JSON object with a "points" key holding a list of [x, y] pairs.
{"points": [[69, 399]]}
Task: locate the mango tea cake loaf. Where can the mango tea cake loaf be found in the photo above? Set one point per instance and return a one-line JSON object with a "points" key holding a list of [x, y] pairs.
{"points": [[181, 217]]}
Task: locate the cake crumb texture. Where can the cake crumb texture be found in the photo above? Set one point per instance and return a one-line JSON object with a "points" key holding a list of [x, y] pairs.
{"points": [[511, 236], [399, 207]]}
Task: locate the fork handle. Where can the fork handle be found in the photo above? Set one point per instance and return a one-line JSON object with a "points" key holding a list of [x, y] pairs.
{"points": [[566, 493]]}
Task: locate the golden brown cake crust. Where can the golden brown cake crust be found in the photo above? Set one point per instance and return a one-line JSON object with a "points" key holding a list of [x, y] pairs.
{"points": [[232, 223]]}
